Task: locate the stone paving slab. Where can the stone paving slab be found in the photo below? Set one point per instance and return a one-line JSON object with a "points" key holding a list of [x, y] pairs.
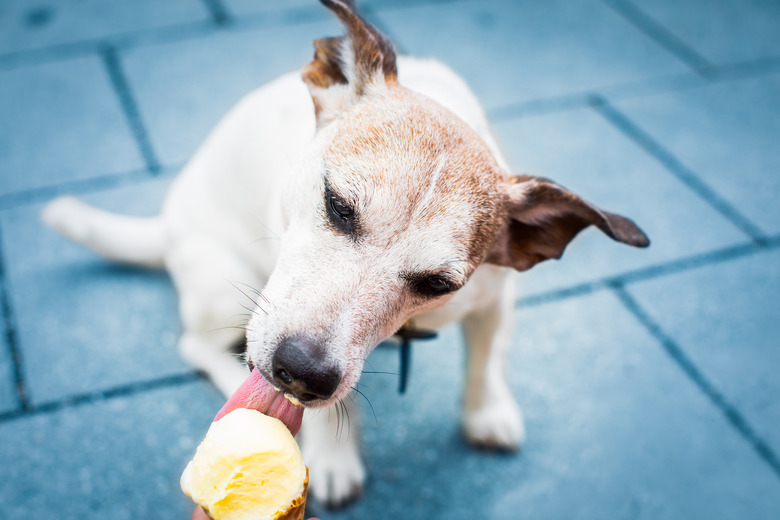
{"points": [[725, 318], [28, 25], [101, 325], [615, 430], [723, 31], [585, 153], [513, 51], [118, 459], [184, 88], [61, 122], [726, 134]]}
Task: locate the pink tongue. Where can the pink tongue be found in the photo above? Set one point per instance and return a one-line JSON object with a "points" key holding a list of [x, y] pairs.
{"points": [[258, 394]]}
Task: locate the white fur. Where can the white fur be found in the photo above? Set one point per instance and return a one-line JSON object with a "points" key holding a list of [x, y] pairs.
{"points": [[246, 200], [429, 195]]}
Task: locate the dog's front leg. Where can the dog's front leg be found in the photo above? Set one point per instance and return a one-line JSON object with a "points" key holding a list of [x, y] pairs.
{"points": [[491, 416], [330, 445]]}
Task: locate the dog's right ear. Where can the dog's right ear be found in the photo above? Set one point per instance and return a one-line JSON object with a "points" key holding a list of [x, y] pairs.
{"points": [[543, 217], [350, 66]]}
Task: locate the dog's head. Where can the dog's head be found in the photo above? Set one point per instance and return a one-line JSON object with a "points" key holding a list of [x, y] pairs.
{"points": [[394, 207]]}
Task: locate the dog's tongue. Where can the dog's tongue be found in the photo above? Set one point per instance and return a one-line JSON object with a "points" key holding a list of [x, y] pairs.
{"points": [[258, 394]]}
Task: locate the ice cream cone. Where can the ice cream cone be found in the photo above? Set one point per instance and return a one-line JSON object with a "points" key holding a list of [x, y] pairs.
{"points": [[248, 467], [295, 511], [298, 506]]}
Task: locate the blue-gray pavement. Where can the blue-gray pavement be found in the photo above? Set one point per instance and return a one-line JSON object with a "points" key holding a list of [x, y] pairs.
{"points": [[647, 378], [26, 25], [62, 121], [588, 155], [729, 31], [722, 133], [614, 431], [117, 458], [68, 303], [725, 318], [190, 84], [538, 42]]}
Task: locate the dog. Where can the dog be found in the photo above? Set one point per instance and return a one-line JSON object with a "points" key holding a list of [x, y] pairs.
{"points": [[386, 199]]}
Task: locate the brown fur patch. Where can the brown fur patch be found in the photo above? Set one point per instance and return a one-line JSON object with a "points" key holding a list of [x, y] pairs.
{"points": [[545, 217], [372, 52], [325, 69], [386, 152]]}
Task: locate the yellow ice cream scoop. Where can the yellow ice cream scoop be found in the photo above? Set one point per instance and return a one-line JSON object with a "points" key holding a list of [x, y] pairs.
{"points": [[248, 467]]}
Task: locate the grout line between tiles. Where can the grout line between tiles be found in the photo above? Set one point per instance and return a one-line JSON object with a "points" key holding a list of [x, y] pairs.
{"points": [[185, 31], [539, 106], [661, 35], [53, 53], [97, 396], [651, 272], [88, 47], [577, 100], [113, 65], [15, 354], [43, 194], [678, 355], [745, 69], [648, 87], [82, 186], [679, 170]]}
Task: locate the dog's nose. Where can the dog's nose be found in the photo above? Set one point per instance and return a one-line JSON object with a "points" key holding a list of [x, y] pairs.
{"points": [[301, 367]]}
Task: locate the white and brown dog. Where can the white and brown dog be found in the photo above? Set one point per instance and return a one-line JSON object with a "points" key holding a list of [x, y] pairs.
{"points": [[390, 200]]}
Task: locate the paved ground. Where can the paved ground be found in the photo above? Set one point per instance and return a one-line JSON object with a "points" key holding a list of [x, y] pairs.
{"points": [[648, 378]]}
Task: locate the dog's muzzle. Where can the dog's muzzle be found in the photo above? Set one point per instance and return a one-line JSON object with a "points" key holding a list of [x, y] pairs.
{"points": [[302, 368]]}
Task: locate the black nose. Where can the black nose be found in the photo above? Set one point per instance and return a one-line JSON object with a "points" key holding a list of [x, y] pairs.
{"points": [[302, 368]]}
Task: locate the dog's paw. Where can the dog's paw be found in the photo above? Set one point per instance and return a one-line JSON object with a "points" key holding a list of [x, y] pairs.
{"points": [[336, 476], [497, 425]]}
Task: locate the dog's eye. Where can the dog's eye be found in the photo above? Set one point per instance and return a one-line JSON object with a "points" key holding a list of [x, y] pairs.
{"points": [[339, 208], [433, 285], [341, 215], [437, 284]]}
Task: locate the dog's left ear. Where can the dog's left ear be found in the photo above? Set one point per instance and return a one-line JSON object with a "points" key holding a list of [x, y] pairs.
{"points": [[348, 67], [543, 217]]}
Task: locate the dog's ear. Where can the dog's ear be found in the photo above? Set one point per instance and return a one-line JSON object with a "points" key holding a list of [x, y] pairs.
{"points": [[345, 68], [543, 217]]}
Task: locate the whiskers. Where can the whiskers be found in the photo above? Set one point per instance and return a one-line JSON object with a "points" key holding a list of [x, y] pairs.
{"points": [[342, 418], [251, 289], [273, 234], [364, 396], [341, 409]]}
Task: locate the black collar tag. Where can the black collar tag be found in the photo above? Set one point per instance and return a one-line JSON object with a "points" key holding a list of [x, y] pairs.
{"points": [[407, 333]]}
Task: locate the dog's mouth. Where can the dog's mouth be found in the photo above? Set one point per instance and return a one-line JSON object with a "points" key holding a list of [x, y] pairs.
{"points": [[249, 362], [257, 393]]}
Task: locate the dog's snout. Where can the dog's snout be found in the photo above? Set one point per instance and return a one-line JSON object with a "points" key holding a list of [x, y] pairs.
{"points": [[302, 368]]}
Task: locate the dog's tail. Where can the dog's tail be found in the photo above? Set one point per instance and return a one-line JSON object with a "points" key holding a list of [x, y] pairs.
{"points": [[119, 238]]}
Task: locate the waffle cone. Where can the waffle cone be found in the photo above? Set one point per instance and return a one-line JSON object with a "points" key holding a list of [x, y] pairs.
{"points": [[295, 511], [298, 506]]}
